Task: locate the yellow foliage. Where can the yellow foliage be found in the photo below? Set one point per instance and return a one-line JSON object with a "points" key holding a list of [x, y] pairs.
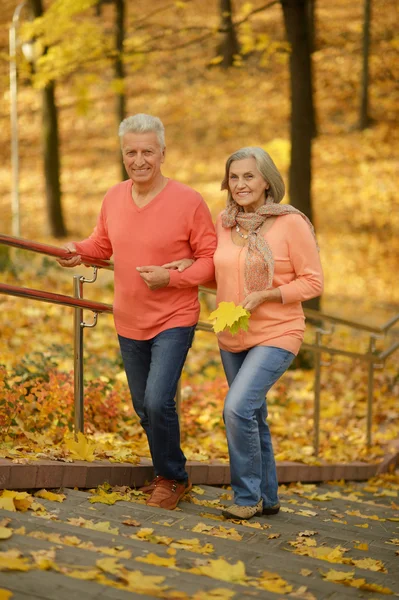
{"points": [[215, 594], [154, 559], [221, 569], [11, 560], [109, 565], [5, 533], [81, 449], [143, 584], [50, 496]]}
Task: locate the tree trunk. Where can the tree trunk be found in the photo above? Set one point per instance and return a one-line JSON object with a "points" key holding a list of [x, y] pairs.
{"points": [[50, 144], [52, 162], [295, 18], [120, 106], [302, 113], [364, 119], [312, 24], [229, 45]]}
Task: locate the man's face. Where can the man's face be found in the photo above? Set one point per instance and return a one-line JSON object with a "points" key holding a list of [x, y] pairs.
{"points": [[142, 156]]}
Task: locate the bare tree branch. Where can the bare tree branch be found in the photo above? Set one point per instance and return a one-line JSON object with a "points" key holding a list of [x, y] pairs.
{"points": [[256, 10]]}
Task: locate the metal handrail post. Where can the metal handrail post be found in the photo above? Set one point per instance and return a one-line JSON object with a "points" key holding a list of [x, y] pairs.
{"points": [[317, 386], [78, 356], [370, 390]]}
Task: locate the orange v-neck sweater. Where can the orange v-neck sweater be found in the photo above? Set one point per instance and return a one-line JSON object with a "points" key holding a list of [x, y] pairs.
{"points": [[297, 273], [175, 224]]}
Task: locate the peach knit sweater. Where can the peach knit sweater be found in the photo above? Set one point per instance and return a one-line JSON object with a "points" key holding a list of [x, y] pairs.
{"points": [[175, 224], [297, 273]]}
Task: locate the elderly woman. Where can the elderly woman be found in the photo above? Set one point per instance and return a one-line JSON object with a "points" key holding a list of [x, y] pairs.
{"points": [[267, 261]]}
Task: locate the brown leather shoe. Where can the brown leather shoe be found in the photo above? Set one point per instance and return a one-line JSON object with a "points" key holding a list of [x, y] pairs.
{"points": [[168, 493], [150, 487]]}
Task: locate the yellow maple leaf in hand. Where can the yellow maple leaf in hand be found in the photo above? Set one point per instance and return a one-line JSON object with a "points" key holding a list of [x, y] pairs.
{"points": [[82, 449], [229, 316]]}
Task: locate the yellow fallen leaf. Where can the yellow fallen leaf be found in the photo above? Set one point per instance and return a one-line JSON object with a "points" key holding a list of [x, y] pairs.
{"points": [[306, 533], [273, 536], [44, 559], [5, 594], [144, 533], [108, 498], [7, 504], [10, 563], [338, 576], [193, 545], [50, 496], [306, 513], [369, 563], [302, 593], [272, 582], [197, 490], [305, 572], [374, 587], [346, 578], [221, 569], [143, 584], [5, 533], [222, 532], [361, 546], [132, 523], [212, 516], [357, 513], [364, 525], [85, 575], [82, 449], [215, 594], [36, 507], [109, 565], [103, 526], [154, 559]]}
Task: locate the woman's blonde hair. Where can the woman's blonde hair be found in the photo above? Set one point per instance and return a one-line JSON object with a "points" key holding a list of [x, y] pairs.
{"points": [[266, 168]]}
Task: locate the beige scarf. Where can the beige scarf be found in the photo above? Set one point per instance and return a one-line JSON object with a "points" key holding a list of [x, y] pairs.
{"points": [[259, 262]]}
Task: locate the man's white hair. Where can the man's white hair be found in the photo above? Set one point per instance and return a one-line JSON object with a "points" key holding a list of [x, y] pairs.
{"points": [[142, 123]]}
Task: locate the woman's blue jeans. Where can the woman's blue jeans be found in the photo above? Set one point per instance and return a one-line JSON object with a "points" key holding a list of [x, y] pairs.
{"points": [[250, 375], [153, 368]]}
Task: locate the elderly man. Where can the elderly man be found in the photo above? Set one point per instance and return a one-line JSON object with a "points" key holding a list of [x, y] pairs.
{"points": [[148, 221]]}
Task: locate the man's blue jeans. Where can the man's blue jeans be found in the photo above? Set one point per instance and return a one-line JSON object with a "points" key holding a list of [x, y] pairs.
{"points": [[153, 368], [250, 375]]}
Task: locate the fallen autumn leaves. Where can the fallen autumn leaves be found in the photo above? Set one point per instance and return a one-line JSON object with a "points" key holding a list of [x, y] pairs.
{"points": [[201, 556]]}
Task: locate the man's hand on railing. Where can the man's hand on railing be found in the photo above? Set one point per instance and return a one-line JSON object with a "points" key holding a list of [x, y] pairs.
{"points": [[179, 265], [75, 258]]}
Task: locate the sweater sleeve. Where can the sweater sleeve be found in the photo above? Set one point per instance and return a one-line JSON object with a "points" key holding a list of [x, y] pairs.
{"points": [[203, 244], [304, 256], [98, 244]]}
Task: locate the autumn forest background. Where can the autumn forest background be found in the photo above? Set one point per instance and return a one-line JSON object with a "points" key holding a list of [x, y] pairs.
{"points": [[219, 80]]}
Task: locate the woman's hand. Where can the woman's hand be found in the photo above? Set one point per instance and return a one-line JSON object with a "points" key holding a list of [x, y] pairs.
{"points": [[255, 299], [179, 265], [74, 258]]}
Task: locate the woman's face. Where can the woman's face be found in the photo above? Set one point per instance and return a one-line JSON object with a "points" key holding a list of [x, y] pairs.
{"points": [[246, 184]]}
